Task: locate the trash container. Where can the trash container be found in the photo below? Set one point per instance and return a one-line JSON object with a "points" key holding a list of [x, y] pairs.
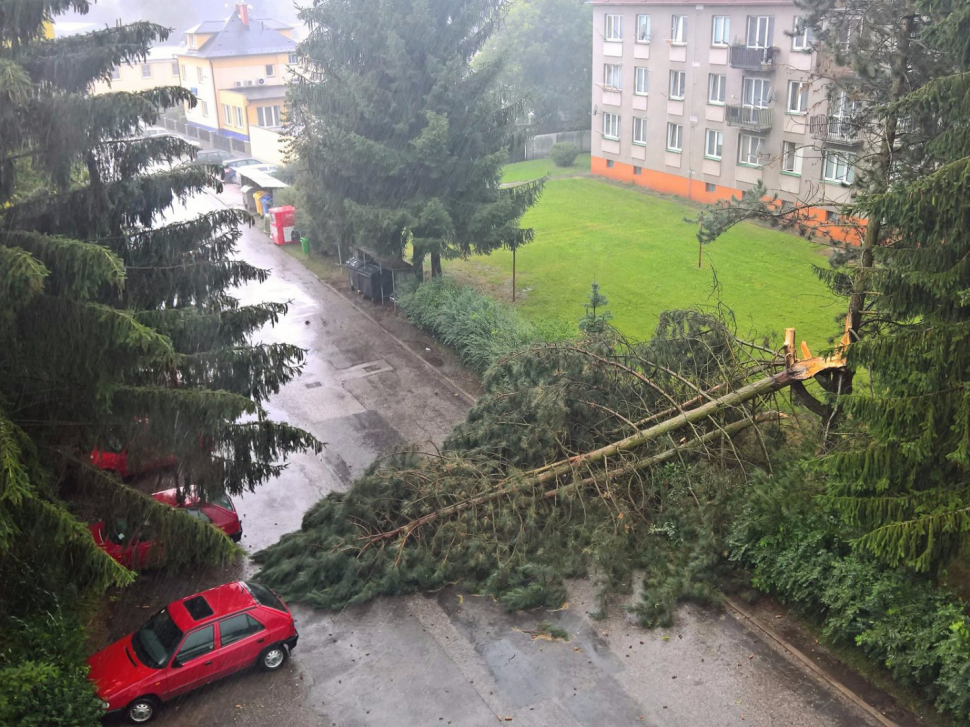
{"points": [[305, 243], [281, 224], [354, 264]]}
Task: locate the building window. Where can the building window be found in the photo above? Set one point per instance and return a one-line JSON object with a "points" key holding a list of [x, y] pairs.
{"points": [[643, 29], [637, 171], [614, 27], [842, 107], [803, 36], [226, 114], [639, 130], [677, 85], [749, 150], [715, 89], [205, 108], [760, 28], [848, 28], [199, 74], [268, 115], [146, 70], [609, 163], [797, 97], [709, 187], [675, 137], [270, 70], [838, 167], [611, 126], [175, 68], [293, 59], [642, 86], [833, 217], [185, 72], [612, 77], [238, 112], [714, 143], [116, 74], [791, 160], [756, 92], [721, 30], [678, 29]]}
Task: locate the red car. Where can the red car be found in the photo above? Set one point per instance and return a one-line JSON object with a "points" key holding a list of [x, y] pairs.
{"points": [[133, 547], [115, 459], [192, 642]]}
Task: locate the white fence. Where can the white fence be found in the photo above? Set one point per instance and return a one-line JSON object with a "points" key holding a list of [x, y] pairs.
{"points": [[538, 146]]}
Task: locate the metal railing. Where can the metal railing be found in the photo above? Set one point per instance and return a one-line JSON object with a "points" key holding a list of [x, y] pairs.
{"points": [[749, 117], [833, 128], [753, 59]]}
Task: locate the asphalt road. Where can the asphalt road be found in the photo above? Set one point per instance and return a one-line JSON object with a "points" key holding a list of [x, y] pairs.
{"points": [[447, 659]]}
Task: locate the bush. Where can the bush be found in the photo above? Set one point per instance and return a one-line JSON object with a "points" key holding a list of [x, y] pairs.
{"points": [[478, 328], [563, 154], [900, 620]]}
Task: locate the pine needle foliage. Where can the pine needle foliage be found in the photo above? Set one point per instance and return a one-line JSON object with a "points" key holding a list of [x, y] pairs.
{"points": [[515, 502], [115, 322]]}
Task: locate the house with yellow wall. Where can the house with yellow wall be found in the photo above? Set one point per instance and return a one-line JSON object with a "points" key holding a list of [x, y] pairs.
{"points": [[160, 68], [238, 69]]}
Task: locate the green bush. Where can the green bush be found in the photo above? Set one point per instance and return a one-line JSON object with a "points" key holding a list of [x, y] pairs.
{"points": [[563, 154], [477, 327], [43, 674], [802, 555]]}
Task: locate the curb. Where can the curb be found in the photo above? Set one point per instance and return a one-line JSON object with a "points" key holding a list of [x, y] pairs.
{"points": [[773, 639]]}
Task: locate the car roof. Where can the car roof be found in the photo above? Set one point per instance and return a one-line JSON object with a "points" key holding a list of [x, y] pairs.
{"points": [[242, 159], [170, 498], [223, 600]]}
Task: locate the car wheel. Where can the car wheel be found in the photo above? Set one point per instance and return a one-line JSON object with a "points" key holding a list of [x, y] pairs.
{"points": [[273, 657], [142, 710]]}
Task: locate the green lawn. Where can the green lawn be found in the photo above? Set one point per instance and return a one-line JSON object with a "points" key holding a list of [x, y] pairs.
{"points": [[644, 255], [525, 171]]}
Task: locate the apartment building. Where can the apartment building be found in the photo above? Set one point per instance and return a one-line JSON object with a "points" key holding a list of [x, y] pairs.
{"points": [[160, 68], [238, 69], [704, 100]]}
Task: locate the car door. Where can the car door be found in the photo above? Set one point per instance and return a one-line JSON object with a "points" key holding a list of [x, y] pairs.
{"points": [[194, 662], [241, 638]]}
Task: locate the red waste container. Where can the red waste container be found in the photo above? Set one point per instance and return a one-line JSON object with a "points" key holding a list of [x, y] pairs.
{"points": [[281, 221]]}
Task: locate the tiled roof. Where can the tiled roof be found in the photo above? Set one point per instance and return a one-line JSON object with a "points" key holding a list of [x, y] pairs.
{"points": [[233, 38]]}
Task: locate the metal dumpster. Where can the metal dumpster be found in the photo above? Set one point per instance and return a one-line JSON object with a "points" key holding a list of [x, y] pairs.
{"points": [[354, 265]]}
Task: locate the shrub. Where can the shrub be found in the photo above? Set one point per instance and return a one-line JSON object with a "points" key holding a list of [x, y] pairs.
{"points": [[563, 154], [900, 620], [478, 328]]}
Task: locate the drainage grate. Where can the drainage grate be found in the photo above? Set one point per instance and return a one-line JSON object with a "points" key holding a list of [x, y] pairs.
{"points": [[313, 385]]}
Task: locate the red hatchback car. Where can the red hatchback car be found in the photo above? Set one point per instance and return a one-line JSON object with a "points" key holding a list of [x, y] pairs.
{"points": [[134, 547], [192, 642]]}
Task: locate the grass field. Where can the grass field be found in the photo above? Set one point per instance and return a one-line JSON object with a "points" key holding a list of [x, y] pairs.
{"points": [[525, 171], [644, 255]]}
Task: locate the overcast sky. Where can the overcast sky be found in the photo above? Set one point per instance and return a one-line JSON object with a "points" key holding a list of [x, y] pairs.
{"points": [[178, 14]]}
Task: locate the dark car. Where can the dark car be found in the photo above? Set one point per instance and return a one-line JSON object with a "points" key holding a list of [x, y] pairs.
{"points": [[190, 643], [229, 168], [216, 157]]}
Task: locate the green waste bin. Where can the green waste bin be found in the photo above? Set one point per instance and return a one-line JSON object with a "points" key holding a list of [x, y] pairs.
{"points": [[305, 244]]}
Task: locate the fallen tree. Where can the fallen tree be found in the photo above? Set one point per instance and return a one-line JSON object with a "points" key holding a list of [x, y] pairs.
{"points": [[569, 463]]}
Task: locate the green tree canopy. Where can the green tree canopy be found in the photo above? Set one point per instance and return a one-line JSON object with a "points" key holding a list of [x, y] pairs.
{"points": [[399, 139]]}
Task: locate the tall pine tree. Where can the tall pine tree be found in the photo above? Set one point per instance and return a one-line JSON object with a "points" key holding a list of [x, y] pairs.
{"points": [[400, 140], [114, 320]]}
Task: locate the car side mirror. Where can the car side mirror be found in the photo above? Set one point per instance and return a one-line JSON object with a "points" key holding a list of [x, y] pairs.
{"points": [[176, 664]]}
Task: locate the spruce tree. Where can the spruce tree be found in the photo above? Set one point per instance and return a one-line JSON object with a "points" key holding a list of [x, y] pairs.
{"points": [[400, 140], [114, 319]]}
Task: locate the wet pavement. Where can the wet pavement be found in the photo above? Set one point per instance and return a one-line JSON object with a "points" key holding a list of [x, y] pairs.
{"points": [[448, 658]]}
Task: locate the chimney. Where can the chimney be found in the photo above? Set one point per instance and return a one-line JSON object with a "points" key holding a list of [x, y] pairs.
{"points": [[243, 10]]}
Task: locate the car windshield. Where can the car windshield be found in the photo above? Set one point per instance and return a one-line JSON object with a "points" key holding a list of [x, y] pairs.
{"points": [[197, 513], [118, 532], [222, 500], [156, 641]]}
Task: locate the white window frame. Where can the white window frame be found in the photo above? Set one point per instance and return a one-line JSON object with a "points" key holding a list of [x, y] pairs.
{"points": [[613, 32], [199, 74], [293, 59], [146, 70], [612, 77], [643, 29], [676, 90], [791, 158], [678, 30], [270, 70], [640, 130], [716, 85], [798, 98], [750, 150], [752, 100], [641, 86], [803, 37], [675, 137], [205, 108], [175, 69], [842, 107], [185, 72], [238, 116], [227, 113], [269, 116], [838, 167], [713, 144], [761, 25], [721, 30], [611, 126], [116, 73]]}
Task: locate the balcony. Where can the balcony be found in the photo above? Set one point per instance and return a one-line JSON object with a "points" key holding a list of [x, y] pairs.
{"points": [[749, 117], [835, 129], [753, 59]]}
